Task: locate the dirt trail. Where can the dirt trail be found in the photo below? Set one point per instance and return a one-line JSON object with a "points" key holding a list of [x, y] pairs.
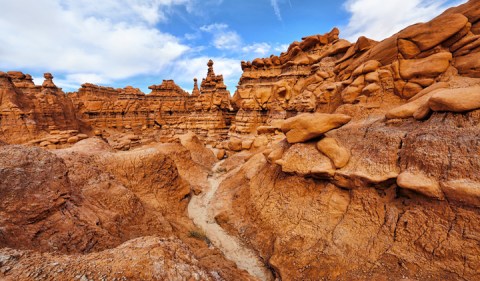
{"points": [[200, 211]]}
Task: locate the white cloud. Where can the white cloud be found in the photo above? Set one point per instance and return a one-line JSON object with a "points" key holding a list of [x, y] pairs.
{"points": [[229, 40], [223, 37], [379, 19], [101, 41], [281, 48], [276, 9], [261, 49], [214, 27]]}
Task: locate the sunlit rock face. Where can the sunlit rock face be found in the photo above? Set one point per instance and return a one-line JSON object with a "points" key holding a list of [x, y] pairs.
{"points": [[28, 111], [340, 161]]}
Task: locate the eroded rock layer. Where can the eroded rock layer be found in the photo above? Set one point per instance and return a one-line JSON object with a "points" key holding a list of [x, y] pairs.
{"points": [[27, 111], [377, 179], [343, 161], [168, 108]]}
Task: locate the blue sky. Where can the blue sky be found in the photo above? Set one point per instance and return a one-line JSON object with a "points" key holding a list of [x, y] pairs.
{"points": [[141, 42]]}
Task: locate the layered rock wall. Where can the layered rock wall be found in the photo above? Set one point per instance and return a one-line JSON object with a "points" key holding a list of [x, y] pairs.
{"points": [[168, 108], [27, 111], [322, 72]]}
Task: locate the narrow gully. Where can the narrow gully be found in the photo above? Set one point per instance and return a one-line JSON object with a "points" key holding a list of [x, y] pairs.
{"points": [[200, 211]]}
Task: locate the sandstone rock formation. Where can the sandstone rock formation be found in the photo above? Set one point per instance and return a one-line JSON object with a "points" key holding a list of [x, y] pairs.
{"points": [[89, 198], [344, 161], [167, 109], [27, 111], [389, 195]]}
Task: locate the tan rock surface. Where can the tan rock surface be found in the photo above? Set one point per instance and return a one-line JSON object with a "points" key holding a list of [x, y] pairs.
{"points": [[307, 126], [420, 183], [456, 100], [431, 66], [87, 199], [331, 148], [305, 160]]}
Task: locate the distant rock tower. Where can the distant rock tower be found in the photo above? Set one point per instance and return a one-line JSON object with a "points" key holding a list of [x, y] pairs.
{"points": [[48, 83], [212, 83], [195, 91]]}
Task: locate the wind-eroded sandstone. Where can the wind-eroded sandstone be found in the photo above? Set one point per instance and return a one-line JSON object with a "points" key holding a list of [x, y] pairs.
{"points": [[89, 199], [344, 161]]}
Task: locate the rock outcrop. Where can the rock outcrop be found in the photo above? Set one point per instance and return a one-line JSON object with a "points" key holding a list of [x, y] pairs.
{"points": [[28, 111], [389, 193], [104, 205], [343, 161], [167, 109]]}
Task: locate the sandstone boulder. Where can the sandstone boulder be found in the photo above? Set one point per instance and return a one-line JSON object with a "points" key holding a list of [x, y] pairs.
{"points": [[200, 154], [420, 183], [73, 139], [417, 103], [431, 66], [305, 160], [307, 126], [331, 148], [463, 191], [235, 144], [434, 32], [468, 65], [456, 100]]}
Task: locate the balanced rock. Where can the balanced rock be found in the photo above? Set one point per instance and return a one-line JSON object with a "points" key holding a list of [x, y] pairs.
{"points": [[307, 126]]}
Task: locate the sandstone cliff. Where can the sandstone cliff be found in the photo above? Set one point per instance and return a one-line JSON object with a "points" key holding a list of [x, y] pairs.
{"points": [[377, 179], [27, 111], [167, 109], [343, 161]]}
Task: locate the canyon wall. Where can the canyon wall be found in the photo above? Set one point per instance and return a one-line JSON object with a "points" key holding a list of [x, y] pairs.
{"points": [[355, 161], [28, 111], [168, 108], [377, 177]]}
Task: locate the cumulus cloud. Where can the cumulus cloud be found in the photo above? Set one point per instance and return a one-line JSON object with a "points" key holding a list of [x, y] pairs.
{"points": [[378, 19], [99, 41], [261, 49], [224, 38]]}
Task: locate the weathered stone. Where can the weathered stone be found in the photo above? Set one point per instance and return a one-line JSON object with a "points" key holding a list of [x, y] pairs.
{"points": [[430, 34], [456, 100], [407, 110], [408, 49], [431, 66], [421, 184], [307, 126], [468, 65], [306, 160], [235, 144], [462, 191], [338, 154]]}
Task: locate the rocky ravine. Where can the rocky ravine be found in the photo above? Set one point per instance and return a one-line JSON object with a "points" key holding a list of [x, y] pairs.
{"points": [[342, 161]]}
